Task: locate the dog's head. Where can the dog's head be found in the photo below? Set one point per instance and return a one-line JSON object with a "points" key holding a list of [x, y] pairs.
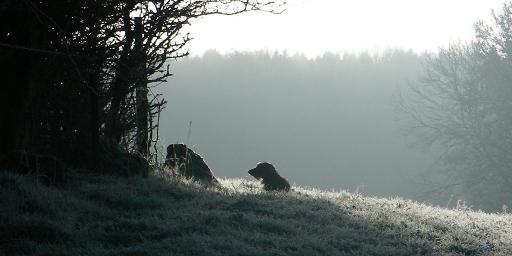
{"points": [[263, 170], [176, 153]]}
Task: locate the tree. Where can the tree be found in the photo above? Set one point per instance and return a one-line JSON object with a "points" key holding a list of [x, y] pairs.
{"points": [[80, 72], [463, 103]]}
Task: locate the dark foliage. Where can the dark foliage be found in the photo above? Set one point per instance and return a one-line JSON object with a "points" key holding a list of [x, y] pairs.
{"points": [[45, 168], [81, 70], [114, 160]]}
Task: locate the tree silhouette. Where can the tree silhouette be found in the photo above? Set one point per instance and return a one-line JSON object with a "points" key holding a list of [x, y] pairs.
{"points": [[463, 104], [79, 73]]}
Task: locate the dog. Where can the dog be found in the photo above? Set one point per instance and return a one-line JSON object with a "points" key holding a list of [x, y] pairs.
{"points": [[189, 164], [268, 175]]}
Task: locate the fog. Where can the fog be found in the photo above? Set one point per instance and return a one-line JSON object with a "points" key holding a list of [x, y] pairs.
{"points": [[329, 122], [340, 26]]}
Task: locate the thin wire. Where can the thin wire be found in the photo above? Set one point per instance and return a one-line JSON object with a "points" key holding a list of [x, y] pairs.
{"points": [[20, 47]]}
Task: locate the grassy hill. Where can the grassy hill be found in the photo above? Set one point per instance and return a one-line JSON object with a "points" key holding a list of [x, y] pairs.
{"points": [[161, 215]]}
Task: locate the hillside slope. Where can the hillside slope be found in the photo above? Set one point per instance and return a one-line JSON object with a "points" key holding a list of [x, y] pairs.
{"points": [[163, 216]]}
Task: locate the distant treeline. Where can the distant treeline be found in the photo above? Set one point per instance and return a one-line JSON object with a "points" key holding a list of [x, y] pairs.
{"points": [[326, 122], [322, 118]]}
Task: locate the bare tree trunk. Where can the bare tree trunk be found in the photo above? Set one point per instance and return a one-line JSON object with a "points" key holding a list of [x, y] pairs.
{"points": [[94, 112], [121, 82], [16, 80], [142, 104]]}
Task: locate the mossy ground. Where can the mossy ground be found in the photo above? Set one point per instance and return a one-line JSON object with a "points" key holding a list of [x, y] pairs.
{"points": [[162, 215]]}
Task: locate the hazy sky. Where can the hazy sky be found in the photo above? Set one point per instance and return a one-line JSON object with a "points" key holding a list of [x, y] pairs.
{"points": [[315, 26]]}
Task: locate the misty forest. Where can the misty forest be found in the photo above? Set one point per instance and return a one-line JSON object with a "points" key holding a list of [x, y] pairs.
{"points": [[116, 139]]}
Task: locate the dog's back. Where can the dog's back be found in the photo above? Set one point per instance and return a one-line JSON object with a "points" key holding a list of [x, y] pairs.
{"points": [[189, 164]]}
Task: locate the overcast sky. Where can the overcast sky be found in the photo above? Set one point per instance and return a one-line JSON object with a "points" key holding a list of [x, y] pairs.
{"points": [[313, 27]]}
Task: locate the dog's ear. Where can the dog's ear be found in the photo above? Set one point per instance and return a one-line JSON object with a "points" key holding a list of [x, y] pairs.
{"points": [[254, 172], [170, 150]]}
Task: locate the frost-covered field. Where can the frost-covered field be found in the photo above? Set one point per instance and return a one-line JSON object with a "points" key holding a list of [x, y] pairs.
{"points": [[165, 216]]}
